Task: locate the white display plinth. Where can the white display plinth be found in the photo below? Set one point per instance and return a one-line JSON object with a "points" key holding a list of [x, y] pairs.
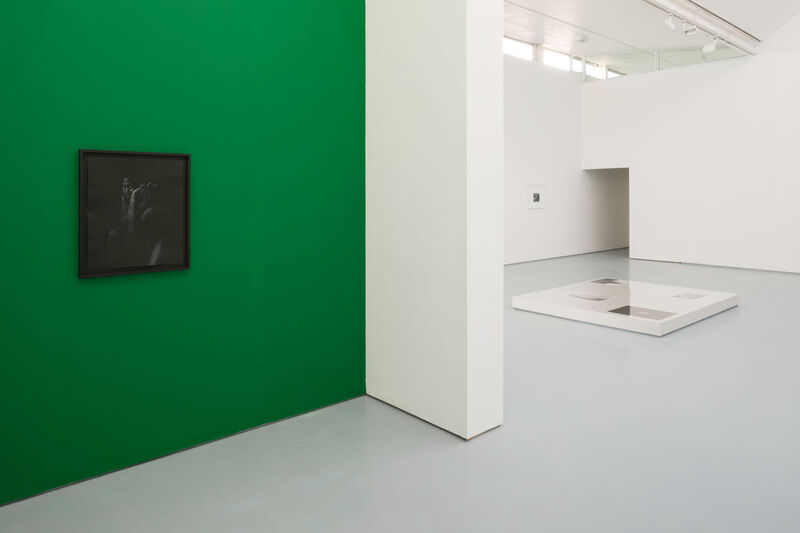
{"points": [[631, 305]]}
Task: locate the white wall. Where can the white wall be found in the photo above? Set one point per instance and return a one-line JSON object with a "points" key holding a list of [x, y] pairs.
{"points": [[434, 161], [585, 211], [713, 156], [484, 261]]}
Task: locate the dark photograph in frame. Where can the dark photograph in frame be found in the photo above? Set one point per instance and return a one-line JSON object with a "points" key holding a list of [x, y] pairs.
{"points": [[133, 211]]}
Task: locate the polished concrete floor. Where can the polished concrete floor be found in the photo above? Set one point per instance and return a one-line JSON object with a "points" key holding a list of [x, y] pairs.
{"points": [[605, 431]]}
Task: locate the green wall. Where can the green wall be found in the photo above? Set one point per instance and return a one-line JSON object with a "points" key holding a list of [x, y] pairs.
{"points": [[268, 97]]}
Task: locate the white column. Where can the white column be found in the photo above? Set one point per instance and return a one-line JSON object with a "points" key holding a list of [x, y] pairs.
{"points": [[434, 156]]}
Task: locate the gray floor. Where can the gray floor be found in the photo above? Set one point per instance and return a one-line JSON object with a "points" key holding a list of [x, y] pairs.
{"points": [[605, 431]]}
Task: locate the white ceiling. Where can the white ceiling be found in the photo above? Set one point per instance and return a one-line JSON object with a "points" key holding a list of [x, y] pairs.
{"points": [[757, 17], [636, 23], [624, 33]]}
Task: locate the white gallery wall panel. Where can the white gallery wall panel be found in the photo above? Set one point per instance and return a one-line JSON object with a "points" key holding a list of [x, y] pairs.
{"points": [[434, 210], [580, 211], [712, 151], [484, 261]]}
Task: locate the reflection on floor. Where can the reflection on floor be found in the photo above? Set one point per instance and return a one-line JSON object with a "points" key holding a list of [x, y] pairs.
{"points": [[605, 431]]}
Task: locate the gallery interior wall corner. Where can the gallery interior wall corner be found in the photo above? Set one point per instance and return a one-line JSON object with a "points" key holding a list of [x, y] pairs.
{"points": [[434, 187]]}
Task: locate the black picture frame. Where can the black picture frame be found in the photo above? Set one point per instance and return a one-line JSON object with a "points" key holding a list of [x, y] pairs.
{"points": [[103, 191]]}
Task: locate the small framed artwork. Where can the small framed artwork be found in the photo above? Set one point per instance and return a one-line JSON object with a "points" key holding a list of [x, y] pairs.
{"points": [[133, 212], [535, 198]]}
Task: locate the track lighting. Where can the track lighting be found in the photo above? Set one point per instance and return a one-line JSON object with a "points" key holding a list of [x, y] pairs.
{"points": [[710, 47], [694, 20]]}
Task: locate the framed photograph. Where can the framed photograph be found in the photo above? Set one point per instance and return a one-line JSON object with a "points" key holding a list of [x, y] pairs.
{"points": [[536, 197], [133, 211]]}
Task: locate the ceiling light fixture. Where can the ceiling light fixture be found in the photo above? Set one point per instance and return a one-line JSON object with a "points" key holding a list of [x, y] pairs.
{"points": [[710, 47], [697, 19], [669, 22]]}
